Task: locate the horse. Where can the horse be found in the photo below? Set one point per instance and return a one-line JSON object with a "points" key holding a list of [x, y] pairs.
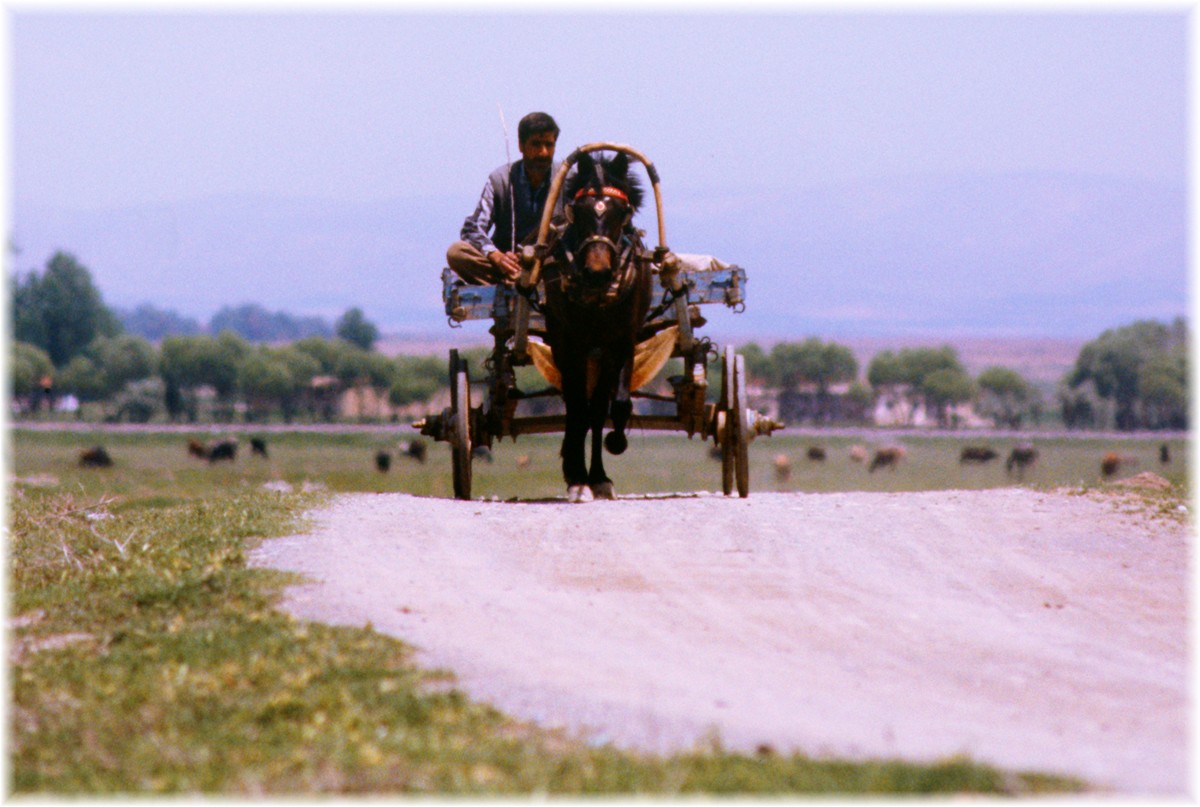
{"points": [[598, 293]]}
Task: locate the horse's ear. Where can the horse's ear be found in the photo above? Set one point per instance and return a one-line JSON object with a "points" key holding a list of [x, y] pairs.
{"points": [[585, 166], [620, 164]]}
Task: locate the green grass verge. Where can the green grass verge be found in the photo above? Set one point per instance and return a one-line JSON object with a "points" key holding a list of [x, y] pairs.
{"points": [[147, 658]]}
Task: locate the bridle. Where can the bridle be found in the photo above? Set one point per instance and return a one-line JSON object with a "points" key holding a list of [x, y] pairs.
{"points": [[622, 253]]}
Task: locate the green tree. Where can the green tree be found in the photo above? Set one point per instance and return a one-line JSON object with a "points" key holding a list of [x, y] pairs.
{"points": [[794, 365], [61, 310], [906, 377], [1141, 368], [1163, 388], [84, 379], [1005, 396], [123, 359], [324, 351], [265, 380], [354, 327], [139, 401], [271, 378], [29, 369], [758, 365], [417, 379], [188, 362], [945, 388]]}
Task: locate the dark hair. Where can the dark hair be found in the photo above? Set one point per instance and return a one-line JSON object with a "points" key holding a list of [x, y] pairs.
{"points": [[535, 123]]}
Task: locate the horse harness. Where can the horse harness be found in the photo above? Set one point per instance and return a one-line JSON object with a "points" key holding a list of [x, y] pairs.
{"points": [[626, 251]]}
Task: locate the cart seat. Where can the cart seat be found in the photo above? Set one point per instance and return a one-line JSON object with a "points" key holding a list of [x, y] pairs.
{"points": [[707, 280]]}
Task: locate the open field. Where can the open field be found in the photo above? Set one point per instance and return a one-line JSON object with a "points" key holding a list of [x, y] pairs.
{"points": [[147, 657], [343, 461]]}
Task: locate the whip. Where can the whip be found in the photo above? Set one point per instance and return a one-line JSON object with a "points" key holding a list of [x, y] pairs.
{"points": [[512, 202]]}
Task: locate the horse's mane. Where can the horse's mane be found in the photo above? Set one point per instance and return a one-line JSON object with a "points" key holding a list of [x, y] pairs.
{"points": [[615, 171]]}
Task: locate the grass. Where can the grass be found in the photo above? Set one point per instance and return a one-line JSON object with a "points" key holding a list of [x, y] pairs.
{"points": [[146, 657]]}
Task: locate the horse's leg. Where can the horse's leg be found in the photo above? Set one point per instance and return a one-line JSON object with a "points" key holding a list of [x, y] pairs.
{"points": [[612, 377], [601, 486], [622, 409], [574, 466]]}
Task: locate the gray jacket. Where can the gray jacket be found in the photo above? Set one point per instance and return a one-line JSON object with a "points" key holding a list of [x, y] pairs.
{"points": [[494, 213]]}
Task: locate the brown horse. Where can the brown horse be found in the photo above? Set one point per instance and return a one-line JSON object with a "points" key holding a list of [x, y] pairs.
{"points": [[598, 291]]}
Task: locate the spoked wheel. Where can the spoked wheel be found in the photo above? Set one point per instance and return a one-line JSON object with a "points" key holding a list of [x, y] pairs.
{"points": [[741, 431], [728, 453], [460, 426]]}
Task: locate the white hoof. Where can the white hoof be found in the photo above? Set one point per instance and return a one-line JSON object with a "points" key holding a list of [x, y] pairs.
{"points": [[604, 490], [578, 494]]}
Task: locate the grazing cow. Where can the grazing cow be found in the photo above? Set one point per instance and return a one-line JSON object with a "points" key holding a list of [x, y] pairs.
{"points": [[95, 458], [523, 461], [1164, 454], [482, 453], [977, 454], [816, 453], [1021, 457], [887, 457], [224, 450], [258, 446], [858, 453], [383, 461], [414, 449], [783, 468], [197, 449], [1110, 463]]}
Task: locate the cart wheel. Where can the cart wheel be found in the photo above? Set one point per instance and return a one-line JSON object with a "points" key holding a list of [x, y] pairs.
{"points": [[725, 425], [741, 433], [460, 426]]}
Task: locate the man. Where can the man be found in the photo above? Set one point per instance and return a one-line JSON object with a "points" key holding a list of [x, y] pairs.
{"points": [[482, 259]]}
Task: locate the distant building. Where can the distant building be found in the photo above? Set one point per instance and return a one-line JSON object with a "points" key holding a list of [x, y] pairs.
{"points": [[894, 408]]}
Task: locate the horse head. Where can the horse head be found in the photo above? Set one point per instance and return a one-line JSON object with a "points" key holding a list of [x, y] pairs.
{"points": [[602, 197]]}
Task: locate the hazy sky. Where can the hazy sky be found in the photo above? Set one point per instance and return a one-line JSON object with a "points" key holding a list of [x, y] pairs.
{"points": [[119, 109], [159, 107]]}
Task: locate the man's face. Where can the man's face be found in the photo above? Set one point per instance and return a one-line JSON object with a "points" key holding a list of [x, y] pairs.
{"points": [[538, 150]]}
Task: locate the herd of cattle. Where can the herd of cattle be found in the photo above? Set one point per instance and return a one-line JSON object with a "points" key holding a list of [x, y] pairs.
{"points": [[1021, 457], [227, 449]]}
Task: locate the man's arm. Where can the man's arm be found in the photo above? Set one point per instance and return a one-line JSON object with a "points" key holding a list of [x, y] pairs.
{"points": [[477, 225]]}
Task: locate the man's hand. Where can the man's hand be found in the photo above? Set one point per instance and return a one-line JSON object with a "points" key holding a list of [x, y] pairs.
{"points": [[507, 267]]}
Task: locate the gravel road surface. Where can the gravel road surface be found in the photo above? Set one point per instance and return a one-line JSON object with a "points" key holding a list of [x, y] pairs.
{"points": [[1029, 630]]}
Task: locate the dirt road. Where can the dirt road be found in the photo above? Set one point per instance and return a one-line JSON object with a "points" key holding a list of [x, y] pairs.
{"points": [[1028, 630]]}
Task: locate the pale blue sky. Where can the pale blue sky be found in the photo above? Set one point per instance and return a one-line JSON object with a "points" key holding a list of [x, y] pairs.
{"points": [[122, 109], [741, 113]]}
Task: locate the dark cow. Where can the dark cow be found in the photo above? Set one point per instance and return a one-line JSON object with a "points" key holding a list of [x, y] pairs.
{"points": [[482, 453], [887, 458], [816, 453], [95, 458], [414, 449], [1110, 463], [1021, 457], [223, 450], [977, 454], [258, 446], [383, 461], [1164, 454]]}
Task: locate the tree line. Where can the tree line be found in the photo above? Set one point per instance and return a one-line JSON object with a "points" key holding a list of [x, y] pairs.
{"points": [[67, 341]]}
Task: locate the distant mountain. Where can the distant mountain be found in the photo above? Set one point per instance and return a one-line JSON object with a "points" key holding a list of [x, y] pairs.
{"points": [[1011, 255]]}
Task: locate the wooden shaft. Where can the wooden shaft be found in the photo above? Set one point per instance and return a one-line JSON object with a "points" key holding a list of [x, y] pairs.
{"points": [[530, 276]]}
